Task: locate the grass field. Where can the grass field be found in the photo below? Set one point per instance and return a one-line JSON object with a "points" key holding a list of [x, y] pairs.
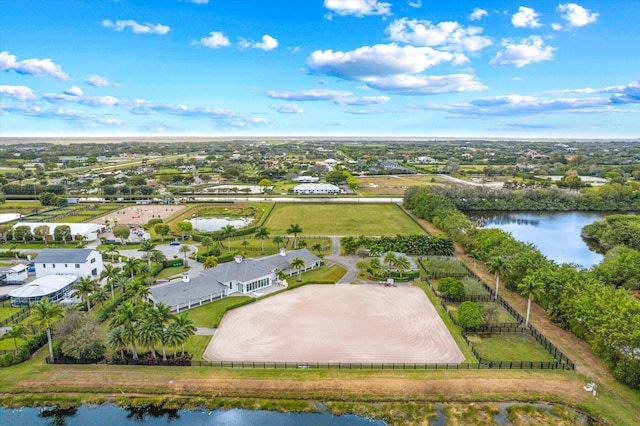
{"points": [[196, 345], [341, 219], [509, 347], [323, 275], [210, 315], [6, 312], [392, 184]]}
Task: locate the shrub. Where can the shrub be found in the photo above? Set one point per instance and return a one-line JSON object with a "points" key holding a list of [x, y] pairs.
{"points": [[469, 315], [451, 287]]}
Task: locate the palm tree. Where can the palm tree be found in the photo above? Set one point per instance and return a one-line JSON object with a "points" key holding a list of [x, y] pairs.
{"points": [[228, 231], [132, 266], [294, 229], [14, 248], [100, 295], [185, 250], [139, 291], [187, 325], [498, 265], [157, 256], [144, 269], [116, 341], [530, 288], [110, 272], [277, 240], [262, 234], [362, 265], [160, 315], [210, 262], [375, 266], [298, 263], [207, 242], [317, 247], [127, 315], [85, 288], [112, 250], [147, 247], [390, 258], [46, 313], [173, 336], [18, 331], [122, 281], [402, 264]]}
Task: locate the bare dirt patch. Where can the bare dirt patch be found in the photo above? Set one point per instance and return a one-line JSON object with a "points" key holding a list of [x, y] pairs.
{"points": [[357, 324], [140, 214]]}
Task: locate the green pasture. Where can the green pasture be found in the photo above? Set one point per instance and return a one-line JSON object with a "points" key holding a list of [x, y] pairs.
{"points": [[393, 185], [341, 219], [509, 347], [322, 275], [195, 345], [210, 314], [253, 248], [7, 311]]}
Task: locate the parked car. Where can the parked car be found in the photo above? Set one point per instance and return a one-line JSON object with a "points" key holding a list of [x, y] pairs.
{"points": [[174, 243]]}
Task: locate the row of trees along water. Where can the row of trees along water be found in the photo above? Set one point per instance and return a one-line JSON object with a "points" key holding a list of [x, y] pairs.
{"points": [[590, 303]]}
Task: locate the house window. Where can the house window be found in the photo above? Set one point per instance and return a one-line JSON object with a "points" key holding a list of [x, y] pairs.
{"points": [[93, 260], [44, 266], [53, 266], [66, 266], [77, 266]]}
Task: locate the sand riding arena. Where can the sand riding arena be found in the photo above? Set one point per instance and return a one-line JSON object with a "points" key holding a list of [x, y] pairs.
{"points": [[336, 324]]}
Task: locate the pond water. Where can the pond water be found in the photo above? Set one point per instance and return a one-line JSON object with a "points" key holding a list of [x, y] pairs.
{"points": [[217, 223], [555, 234], [6, 217], [110, 415]]}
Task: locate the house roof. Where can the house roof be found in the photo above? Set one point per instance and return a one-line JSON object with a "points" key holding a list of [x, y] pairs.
{"points": [[18, 268], [43, 286], [316, 187], [63, 256]]}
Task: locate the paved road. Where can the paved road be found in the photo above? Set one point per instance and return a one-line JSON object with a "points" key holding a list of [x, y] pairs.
{"points": [[347, 262]]}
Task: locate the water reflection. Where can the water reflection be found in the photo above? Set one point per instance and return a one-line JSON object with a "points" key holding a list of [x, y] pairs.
{"points": [[141, 412], [57, 416], [211, 224]]}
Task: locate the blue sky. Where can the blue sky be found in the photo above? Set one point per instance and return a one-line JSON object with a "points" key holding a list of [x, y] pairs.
{"points": [[455, 68]]}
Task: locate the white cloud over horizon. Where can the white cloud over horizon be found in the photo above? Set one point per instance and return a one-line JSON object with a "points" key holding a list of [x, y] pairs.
{"points": [[448, 35], [527, 51], [99, 81], [358, 8], [287, 109], [32, 67], [19, 93], [137, 28]]}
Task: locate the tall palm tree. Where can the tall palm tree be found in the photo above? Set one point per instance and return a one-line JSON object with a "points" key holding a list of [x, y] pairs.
{"points": [[100, 295], [147, 247], [277, 240], [530, 288], [206, 242], [390, 258], [375, 266], [84, 288], [298, 263], [185, 250], [116, 341], [498, 266], [228, 231], [149, 333], [46, 313], [172, 336], [112, 250], [18, 331], [132, 266], [139, 291], [122, 281], [262, 234], [317, 247], [294, 229], [402, 264], [188, 327], [127, 315], [110, 272]]}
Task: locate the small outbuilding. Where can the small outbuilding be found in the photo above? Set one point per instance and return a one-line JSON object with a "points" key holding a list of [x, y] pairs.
{"points": [[17, 274], [54, 287]]}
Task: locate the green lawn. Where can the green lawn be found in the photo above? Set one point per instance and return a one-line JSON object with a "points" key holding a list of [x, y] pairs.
{"points": [[196, 346], [210, 315], [509, 347], [6, 312], [171, 272], [254, 248], [7, 344], [341, 219], [473, 287], [323, 275]]}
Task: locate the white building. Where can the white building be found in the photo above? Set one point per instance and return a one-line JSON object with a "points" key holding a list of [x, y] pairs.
{"points": [[78, 262], [17, 274], [316, 188], [306, 179], [89, 230], [54, 287]]}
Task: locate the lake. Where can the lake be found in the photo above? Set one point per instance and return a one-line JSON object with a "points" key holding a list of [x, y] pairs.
{"points": [[210, 224], [110, 415], [555, 234]]}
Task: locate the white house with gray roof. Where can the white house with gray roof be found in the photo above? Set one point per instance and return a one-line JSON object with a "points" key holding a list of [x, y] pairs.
{"points": [[78, 262], [316, 188], [244, 276]]}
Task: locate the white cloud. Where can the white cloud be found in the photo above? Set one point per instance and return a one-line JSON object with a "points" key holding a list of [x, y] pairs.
{"points": [[477, 14], [98, 81], [73, 91], [379, 60], [416, 4], [576, 15], [309, 95], [449, 35], [198, 1], [556, 27], [137, 28], [629, 93], [358, 8], [216, 39], [426, 85], [93, 101], [32, 67], [528, 51], [268, 43], [288, 109], [19, 93], [526, 17], [364, 100]]}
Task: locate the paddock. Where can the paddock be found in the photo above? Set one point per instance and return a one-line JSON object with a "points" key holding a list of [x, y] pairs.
{"points": [[336, 323], [140, 214]]}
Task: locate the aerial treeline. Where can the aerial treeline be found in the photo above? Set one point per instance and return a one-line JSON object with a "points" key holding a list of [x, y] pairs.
{"points": [[610, 197], [417, 245], [587, 302], [31, 189], [614, 230]]}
